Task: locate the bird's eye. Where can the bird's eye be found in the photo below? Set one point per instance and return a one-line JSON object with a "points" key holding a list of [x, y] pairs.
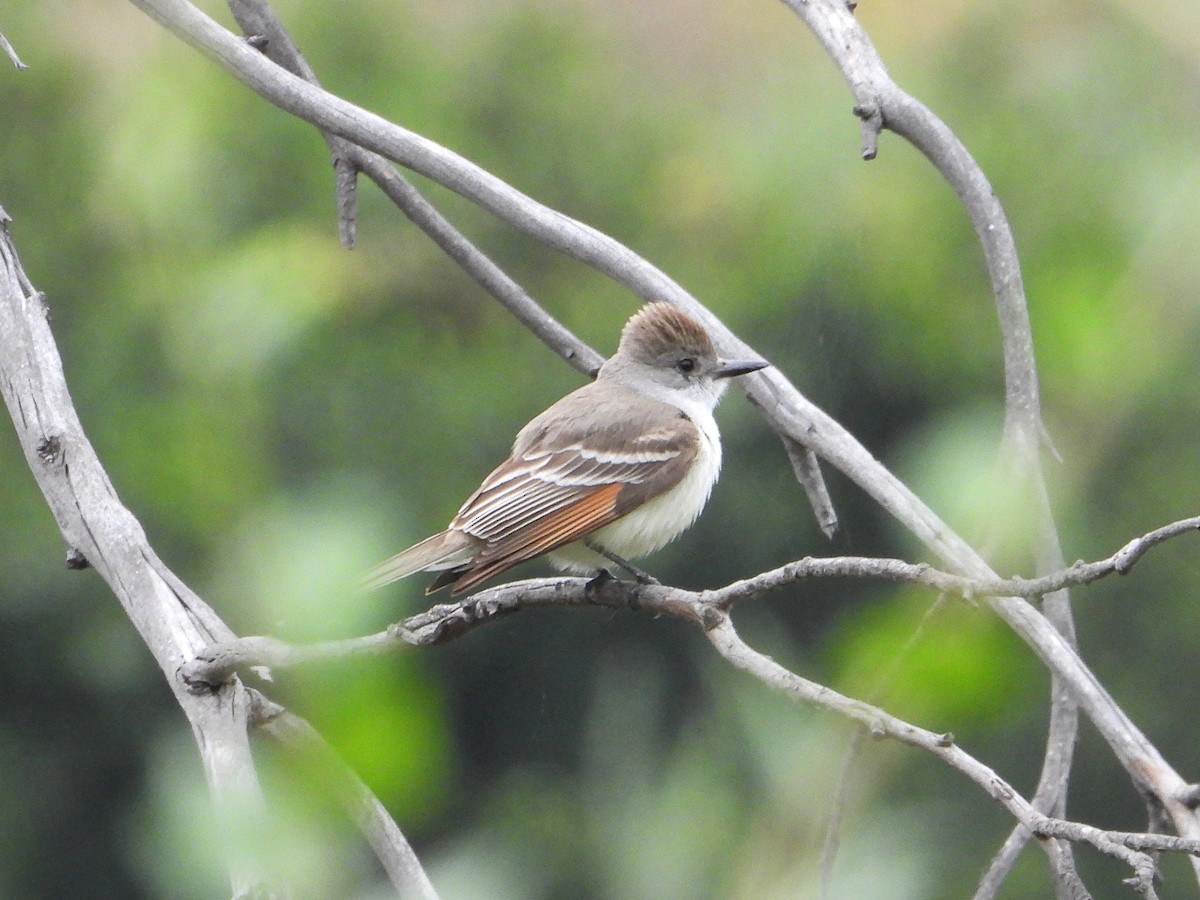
{"points": [[687, 365]]}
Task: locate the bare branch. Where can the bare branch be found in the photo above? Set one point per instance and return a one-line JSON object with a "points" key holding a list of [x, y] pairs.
{"points": [[439, 624], [898, 570], [174, 623], [390, 846], [345, 174], [11, 53], [257, 18], [881, 724], [264, 33], [1127, 557], [808, 473], [784, 407], [837, 806], [446, 621], [881, 103]]}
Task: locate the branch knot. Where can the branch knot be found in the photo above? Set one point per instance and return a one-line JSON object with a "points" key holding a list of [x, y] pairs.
{"points": [[871, 114]]}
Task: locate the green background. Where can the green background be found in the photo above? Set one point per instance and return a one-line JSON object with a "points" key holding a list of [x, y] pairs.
{"points": [[281, 413]]}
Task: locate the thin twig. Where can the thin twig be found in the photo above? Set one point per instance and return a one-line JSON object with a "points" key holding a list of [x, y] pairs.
{"points": [[11, 53], [829, 849], [256, 17], [897, 570], [837, 807], [438, 624], [808, 472], [881, 724]]}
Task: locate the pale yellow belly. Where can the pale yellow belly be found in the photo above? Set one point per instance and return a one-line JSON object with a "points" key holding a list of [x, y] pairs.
{"points": [[652, 525]]}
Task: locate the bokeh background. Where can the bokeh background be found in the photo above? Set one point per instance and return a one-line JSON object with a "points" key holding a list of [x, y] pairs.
{"points": [[281, 413]]}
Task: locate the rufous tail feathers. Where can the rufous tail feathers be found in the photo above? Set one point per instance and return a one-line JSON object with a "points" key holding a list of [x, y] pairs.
{"points": [[444, 550]]}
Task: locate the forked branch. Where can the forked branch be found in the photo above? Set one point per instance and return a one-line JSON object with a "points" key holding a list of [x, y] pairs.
{"points": [[446, 621], [783, 406], [709, 610]]}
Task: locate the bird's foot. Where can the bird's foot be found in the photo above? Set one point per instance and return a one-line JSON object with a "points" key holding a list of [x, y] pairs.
{"points": [[596, 583]]}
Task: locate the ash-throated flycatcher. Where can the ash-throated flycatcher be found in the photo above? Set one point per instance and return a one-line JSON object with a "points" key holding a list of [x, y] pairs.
{"points": [[611, 472]]}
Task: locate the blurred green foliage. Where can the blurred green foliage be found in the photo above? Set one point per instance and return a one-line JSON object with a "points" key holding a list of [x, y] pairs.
{"points": [[281, 413]]}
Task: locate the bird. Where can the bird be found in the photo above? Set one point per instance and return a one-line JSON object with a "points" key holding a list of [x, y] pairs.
{"points": [[613, 471]]}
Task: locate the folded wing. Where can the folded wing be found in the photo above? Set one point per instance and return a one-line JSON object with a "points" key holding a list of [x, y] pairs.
{"points": [[547, 497]]}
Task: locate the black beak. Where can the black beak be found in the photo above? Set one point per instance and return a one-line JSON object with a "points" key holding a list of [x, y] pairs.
{"points": [[732, 367]]}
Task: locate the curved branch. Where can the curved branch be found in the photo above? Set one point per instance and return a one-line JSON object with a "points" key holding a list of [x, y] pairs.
{"points": [[390, 846], [881, 103], [446, 622], [881, 724], [8, 50], [103, 534], [174, 623], [264, 32], [784, 407]]}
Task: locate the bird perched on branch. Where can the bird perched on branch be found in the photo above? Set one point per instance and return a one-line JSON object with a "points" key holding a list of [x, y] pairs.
{"points": [[611, 472]]}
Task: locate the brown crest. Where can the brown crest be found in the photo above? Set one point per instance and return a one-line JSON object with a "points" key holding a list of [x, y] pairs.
{"points": [[660, 328]]}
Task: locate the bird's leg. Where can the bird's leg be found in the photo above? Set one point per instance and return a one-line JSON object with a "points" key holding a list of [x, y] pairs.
{"points": [[642, 577]]}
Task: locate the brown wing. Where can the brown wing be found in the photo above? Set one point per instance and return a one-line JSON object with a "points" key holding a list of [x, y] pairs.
{"points": [[558, 491], [593, 510]]}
